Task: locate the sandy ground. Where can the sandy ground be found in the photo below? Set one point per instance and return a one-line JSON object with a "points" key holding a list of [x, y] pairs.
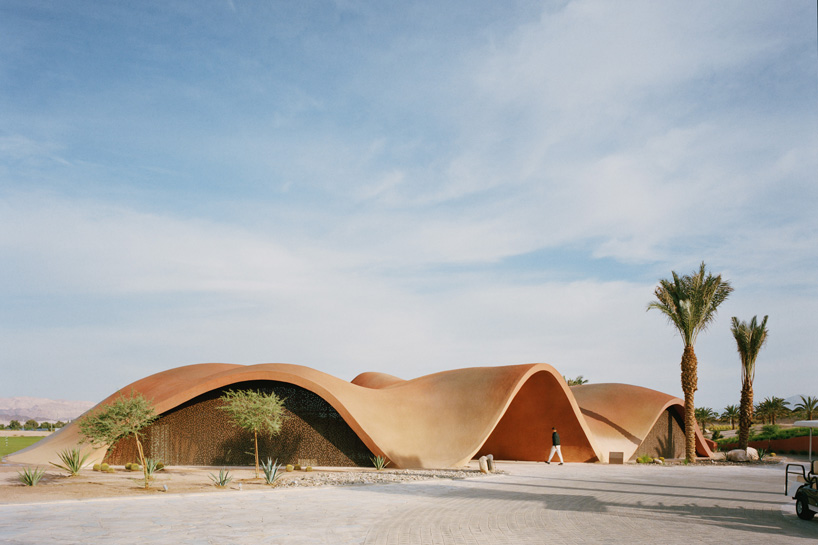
{"points": [[56, 485]]}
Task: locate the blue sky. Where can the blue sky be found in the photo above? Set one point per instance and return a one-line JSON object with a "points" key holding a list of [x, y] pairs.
{"points": [[404, 187]]}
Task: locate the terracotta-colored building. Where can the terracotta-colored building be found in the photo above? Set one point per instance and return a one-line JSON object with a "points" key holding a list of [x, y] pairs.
{"points": [[439, 420]]}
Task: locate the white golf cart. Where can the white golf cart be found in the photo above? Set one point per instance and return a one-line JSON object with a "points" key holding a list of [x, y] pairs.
{"points": [[806, 497]]}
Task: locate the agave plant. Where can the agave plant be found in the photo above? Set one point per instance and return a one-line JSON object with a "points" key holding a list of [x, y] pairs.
{"points": [[223, 478], [272, 471], [31, 476], [379, 462], [73, 460], [151, 467]]}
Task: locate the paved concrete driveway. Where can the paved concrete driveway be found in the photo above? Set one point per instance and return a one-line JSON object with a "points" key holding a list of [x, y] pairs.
{"points": [[533, 503]]}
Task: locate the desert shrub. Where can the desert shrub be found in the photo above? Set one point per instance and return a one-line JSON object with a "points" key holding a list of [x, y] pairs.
{"points": [[297, 467], [31, 476], [644, 459], [308, 468], [73, 460], [152, 466], [104, 467], [272, 471], [289, 467], [716, 435], [223, 479], [96, 467], [379, 462]]}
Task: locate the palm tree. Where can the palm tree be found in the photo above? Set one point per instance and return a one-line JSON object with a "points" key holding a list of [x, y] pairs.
{"points": [[579, 381], [750, 337], [731, 413], [778, 407], [689, 303], [808, 406], [705, 415]]}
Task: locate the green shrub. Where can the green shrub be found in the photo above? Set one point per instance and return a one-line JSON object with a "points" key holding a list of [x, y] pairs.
{"points": [[308, 468], [780, 434], [297, 467], [770, 429], [96, 467], [104, 467], [719, 427], [716, 435], [644, 459], [31, 476], [73, 460], [289, 467]]}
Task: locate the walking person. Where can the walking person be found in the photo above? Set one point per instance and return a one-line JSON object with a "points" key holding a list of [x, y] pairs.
{"points": [[555, 446]]}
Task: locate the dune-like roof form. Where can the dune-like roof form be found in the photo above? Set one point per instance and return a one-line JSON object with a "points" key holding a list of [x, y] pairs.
{"points": [[439, 420]]}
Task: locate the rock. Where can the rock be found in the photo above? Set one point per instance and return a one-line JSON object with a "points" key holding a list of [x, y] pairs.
{"points": [[752, 454], [490, 462], [658, 461], [737, 455], [484, 466]]}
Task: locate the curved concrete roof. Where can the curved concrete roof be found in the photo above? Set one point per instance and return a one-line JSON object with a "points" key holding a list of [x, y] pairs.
{"points": [[621, 415], [438, 420]]}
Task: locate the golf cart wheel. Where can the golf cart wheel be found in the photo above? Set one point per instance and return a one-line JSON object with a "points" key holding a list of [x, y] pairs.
{"points": [[802, 509]]}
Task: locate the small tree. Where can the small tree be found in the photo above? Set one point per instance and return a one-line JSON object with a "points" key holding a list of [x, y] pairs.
{"points": [[256, 412], [31, 425], [15, 425], [121, 418]]}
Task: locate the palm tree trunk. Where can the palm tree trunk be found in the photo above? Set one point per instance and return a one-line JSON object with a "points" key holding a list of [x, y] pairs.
{"points": [[745, 419], [689, 385]]}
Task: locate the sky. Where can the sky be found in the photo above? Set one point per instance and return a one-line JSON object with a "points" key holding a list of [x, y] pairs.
{"points": [[403, 187]]}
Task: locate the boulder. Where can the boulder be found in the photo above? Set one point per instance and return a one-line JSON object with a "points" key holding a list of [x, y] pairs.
{"points": [[490, 462], [737, 455], [752, 454]]}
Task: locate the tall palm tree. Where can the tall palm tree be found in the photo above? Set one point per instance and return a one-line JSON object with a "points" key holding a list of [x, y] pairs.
{"points": [[750, 337], [808, 406], [731, 413], [689, 302]]}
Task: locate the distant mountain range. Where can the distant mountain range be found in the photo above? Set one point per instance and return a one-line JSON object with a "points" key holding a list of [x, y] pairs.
{"points": [[40, 409]]}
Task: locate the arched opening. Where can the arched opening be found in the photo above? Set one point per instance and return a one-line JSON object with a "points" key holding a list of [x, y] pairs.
{"points": [[198, 433], [524, 431], [666, 438]]}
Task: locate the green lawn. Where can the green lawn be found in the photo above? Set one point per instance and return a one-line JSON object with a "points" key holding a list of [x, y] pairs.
{"points": [[13, 444]]}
